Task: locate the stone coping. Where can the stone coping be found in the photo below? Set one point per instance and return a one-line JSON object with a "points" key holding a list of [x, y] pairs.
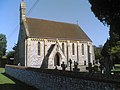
{"points": [[81, 75]]}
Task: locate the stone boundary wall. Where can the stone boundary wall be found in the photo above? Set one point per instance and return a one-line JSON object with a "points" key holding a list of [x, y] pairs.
{"points": [[45, 79]]}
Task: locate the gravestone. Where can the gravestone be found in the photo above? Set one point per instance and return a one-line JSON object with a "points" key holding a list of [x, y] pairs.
{"points": [[56, 67], [90, 68], [70, 64], [63, 66], [76, 69]]}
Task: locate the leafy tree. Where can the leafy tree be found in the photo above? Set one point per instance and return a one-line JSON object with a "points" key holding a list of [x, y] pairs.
{"points": [[115, 52], [108, 12], [107, 62], [98, 56], [3, 44], [10, 57], [97, 51], [10, 54], [1, 54]]}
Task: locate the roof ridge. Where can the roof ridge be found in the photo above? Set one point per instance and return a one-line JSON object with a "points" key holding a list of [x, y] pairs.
{"points": [[53, 21]]}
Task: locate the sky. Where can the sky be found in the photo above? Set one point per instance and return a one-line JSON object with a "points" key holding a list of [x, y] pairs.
{"points": [[70, 11]]}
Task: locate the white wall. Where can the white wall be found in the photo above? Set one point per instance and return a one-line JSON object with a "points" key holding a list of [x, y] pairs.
{"points": [[35, 60]]}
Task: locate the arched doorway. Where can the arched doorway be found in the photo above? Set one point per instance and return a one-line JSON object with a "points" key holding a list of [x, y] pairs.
{"points": [[57, 59]]}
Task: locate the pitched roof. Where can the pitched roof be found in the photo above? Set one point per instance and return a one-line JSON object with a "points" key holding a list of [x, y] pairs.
{"points": [[52, 29]]}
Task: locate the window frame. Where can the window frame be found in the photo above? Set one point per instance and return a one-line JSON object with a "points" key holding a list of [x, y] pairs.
{"points": [[63, 48], [39, 47], [82, 46], [73, 49]]}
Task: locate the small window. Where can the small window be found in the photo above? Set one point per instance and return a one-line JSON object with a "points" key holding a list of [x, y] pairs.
{"points": [[82, 49], [63, 47], [38, 48], [73, 49]]}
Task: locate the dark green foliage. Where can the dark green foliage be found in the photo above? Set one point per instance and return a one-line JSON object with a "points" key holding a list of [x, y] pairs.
{"points": [[112, 48], [10, 54], [107, 11], [3, 45], [106, 49], [1, 54], [10, 57], [115, 52], [97, 51]]}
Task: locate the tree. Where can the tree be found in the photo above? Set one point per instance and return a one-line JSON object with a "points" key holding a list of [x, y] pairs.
{"points": [[1, 54], [107, 62], [10, 57], [3, 44], [10, 54], [97, 51], [115, 52], [108, 12]]}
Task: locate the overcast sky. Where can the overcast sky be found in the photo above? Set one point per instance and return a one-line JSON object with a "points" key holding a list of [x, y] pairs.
{"points": [[70, 11]]}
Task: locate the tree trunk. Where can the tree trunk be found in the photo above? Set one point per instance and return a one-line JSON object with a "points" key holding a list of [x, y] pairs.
{"points": [[107, 65]]}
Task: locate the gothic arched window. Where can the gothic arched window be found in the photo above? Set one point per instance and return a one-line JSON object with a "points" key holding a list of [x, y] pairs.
{"points": [[82, 49], [63, 47], [73, 49], [57, 60], [38, 48]]}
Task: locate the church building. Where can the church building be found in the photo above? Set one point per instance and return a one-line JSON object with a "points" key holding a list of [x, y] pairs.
{"points": [[47, 44]]}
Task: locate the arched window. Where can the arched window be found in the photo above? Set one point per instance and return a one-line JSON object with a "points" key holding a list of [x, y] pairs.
{"points": [[73, 49], [63, 47], [57, 60], [82, 49], [38, 48]]}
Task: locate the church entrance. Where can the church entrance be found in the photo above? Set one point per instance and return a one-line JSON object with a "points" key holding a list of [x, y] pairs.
{"points": [[57, 60]]}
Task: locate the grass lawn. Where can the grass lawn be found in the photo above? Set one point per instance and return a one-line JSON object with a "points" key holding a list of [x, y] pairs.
{"points": [[2, 70], [4, 79], [9, 83], [116, 70], [117, 65]]}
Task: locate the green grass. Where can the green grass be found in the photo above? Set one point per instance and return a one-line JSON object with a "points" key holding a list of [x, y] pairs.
{"points": [[4, 79], [2, 70], [117, 69], [9, 83], [117, 65]]}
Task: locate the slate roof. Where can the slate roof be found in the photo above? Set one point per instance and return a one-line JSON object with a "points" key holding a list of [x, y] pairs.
{"points": [[40, 28]]}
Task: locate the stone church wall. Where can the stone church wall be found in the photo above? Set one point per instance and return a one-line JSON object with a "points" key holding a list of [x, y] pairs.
{"points": [[60, 80], [35, 60], [21, 47]]}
